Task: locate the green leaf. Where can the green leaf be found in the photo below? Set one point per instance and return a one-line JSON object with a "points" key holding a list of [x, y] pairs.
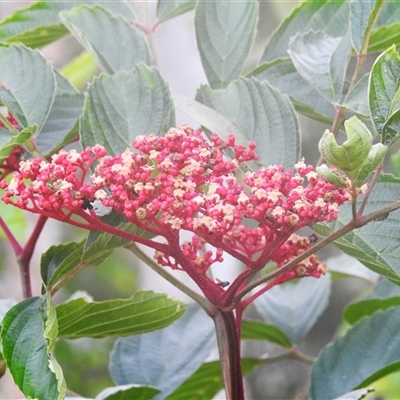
{"points": [[26, 349], [363, 14], [386, 32], [376, 245], [384, 94], [353, 152], [357, 99], [282, 75], [167, 9], [22, 68], [99, 243], [295, 306], [145, 311], [207, 381], [164, 358], [328, 16], [331, 176], [384, 37], [322, 62], [389, 14], [59, 264], [374, 158], [354, 312], [59, 261], [122, 106], [262, 114], [256, 330], [61, 125], [5, 305], [89, 24], [368, 351], [39, 24], [34, 26], [127, 392], [225, 32], [207, 117], [8, 142], [80, 70]]}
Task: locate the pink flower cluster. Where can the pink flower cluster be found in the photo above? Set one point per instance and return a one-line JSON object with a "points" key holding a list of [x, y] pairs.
{"points": [[182, 182]]}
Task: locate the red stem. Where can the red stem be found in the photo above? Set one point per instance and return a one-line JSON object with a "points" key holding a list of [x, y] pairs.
{"points": [[24, 258], [229, 351], [11, 238]]}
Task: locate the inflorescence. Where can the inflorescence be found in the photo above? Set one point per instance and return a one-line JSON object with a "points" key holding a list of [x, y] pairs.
{"points": [[182, 182]]}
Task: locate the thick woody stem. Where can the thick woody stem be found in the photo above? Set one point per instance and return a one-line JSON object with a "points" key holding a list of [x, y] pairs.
{"points": [[229, 351]]}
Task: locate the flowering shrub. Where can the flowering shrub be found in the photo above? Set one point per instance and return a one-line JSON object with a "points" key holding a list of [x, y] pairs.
{"points": [[180, 182], [199, 200]]}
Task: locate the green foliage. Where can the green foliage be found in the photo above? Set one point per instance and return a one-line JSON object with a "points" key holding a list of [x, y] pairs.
{"points": [[256, 330], [261, 114], [357, 157], [143, 312], [346, 365], [143, 102], [28, 333], [224, 48]]}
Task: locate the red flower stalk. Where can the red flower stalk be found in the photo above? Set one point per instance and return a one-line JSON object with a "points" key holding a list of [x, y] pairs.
{"points": [[182, 182]]}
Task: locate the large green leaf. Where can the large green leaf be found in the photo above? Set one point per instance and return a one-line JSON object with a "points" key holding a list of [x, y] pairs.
{"points": [[164, 358], [225, 31], [295, 307], [390, 13], [122, 106], [20, 69], [384, 95], [61, 125], [330, 16], [322, 62], [282, 75], [167, 9], [386, 29], [386, 294], [207, 381], [145, 311], [363, 14], [64, 261], [357, 99], [384, 37], [39, 24], [98, 31], [376, 244], [354, 312], [26, 346], [208, 117], [262, 114], [256, 330], [127, 392], [368, 351]]}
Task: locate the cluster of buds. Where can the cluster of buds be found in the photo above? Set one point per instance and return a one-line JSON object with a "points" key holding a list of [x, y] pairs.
{"points": [[182, 182]]}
